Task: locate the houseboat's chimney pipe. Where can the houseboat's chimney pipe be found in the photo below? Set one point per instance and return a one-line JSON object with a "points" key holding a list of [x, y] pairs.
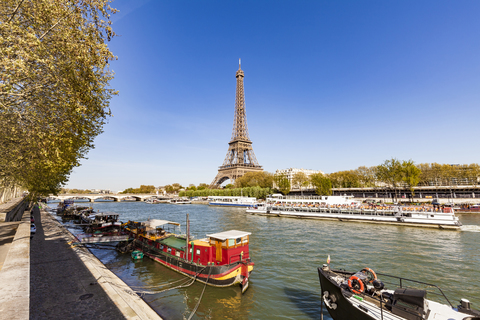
{"points": [[188, 237]]}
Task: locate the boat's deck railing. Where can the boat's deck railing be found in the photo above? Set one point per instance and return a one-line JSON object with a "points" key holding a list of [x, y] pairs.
{"points": [[404, 283], [354, 210]]}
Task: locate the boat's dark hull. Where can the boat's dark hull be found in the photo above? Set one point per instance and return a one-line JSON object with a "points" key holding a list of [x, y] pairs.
{"points": [[214, 275], [343, 310]]}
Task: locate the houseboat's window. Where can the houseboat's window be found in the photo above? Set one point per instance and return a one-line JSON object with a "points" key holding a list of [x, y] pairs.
{"points": [[169, 250], [239, 240], [177, 253], [198, 251], [231, 242], [161, 247]]}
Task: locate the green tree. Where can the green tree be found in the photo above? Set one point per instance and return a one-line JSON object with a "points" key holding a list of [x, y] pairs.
{"points": [[472, 173], [322, 184], [146, 189], [54, 88], [390, 173], [410, 175], [366, 176], [300, 180], [262, 179], [345, 179], [202, 186], [282, 183]]}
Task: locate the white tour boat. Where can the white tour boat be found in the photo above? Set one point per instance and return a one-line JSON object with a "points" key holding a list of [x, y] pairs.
{"points": [[232, 201], [346, 209], [180, 201]]}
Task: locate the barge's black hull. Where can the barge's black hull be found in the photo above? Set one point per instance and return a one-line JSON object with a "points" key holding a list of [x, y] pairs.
{"points": [[340, 308]]}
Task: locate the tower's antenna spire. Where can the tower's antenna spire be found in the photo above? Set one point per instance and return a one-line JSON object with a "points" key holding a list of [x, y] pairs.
{"points": [[239, 63]]}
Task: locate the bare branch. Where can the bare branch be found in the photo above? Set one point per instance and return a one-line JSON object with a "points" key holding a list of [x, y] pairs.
{"points": [[15, 11], [46, 32]]}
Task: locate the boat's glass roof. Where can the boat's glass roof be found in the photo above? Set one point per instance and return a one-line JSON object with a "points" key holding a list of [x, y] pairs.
{"points": [[174, 242]]}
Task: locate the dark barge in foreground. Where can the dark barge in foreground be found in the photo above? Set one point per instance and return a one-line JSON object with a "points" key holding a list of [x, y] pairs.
{"points": [[361, 296], [222, 259]]}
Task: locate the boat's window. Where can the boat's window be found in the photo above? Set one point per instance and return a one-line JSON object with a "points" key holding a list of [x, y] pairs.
{"points": [[239, 240], [169, 250], [231, 242], [177, 253], [161, 247], [198, 251]]}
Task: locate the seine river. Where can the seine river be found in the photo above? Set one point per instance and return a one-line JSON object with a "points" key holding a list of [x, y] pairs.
{"points": [[284, 283]]}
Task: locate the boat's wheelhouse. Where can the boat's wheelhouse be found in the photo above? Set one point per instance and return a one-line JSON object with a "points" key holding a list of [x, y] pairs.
{"points": [[229, 246]]}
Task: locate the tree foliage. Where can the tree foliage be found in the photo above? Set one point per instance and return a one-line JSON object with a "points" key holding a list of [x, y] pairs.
{"points": [[282, 183], [434, 174], [173, 188], [257, 192], [322, 184], [345, 179], [410, 175], [54, 88], [261, 179], [143, 189], [300, 180]]}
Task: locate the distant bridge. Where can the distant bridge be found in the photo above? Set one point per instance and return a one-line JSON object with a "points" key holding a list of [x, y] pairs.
{"points": [[107, 196]]}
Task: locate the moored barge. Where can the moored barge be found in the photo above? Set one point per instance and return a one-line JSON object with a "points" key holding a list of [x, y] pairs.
{"points": [[221, 259], [361, 296]]}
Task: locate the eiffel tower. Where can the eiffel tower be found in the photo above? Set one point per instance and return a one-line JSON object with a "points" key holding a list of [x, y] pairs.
{"points": [[240, 157]]}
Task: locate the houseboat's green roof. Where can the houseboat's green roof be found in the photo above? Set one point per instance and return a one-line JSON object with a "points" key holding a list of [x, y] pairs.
{"points": [[174, 242]]}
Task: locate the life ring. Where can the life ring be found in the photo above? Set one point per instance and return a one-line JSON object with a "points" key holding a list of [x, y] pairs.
{"points": [[360, 283], [372, 272]]}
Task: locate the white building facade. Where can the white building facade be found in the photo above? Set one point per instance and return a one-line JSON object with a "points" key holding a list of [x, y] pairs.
{"points": [[290, 173]]}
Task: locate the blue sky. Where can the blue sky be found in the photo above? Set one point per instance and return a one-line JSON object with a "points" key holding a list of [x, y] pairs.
{"points": [[329, 85]]}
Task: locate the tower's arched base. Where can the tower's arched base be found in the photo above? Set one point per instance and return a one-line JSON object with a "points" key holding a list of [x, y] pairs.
{"points": [[232, 173]]}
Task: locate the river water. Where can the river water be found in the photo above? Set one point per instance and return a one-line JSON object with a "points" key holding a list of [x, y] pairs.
{"points": [[284, 283]]}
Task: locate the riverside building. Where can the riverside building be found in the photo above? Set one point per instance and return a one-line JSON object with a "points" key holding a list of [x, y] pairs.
{"points": [[290, 173]]}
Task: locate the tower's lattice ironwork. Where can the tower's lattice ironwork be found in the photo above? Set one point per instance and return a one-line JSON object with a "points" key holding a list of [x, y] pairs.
{"points": [[240, 157]]}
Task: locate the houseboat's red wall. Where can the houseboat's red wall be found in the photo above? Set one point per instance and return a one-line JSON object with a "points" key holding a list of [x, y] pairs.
{"points": [[231, 255], [206, 254]]}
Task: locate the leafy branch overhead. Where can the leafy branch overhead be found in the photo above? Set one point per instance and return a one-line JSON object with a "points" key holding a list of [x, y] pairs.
{"points": [[54, 87]]}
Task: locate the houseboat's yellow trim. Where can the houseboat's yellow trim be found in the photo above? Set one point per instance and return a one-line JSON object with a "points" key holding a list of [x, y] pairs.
{"points": [[234, 273]]}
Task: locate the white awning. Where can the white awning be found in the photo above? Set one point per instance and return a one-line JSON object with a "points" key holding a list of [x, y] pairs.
{"points": [[153, 223], [231, 234]]}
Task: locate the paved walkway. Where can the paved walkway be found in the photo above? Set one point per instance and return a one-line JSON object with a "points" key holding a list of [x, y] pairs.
{"points": [[70, 283]]}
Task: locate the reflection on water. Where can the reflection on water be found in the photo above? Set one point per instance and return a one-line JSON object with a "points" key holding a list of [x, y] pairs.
{"points": [[286, 252]]}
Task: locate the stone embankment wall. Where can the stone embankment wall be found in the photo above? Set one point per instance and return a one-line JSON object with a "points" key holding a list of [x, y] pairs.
{"points": [[13, 210], [7, 194]]}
